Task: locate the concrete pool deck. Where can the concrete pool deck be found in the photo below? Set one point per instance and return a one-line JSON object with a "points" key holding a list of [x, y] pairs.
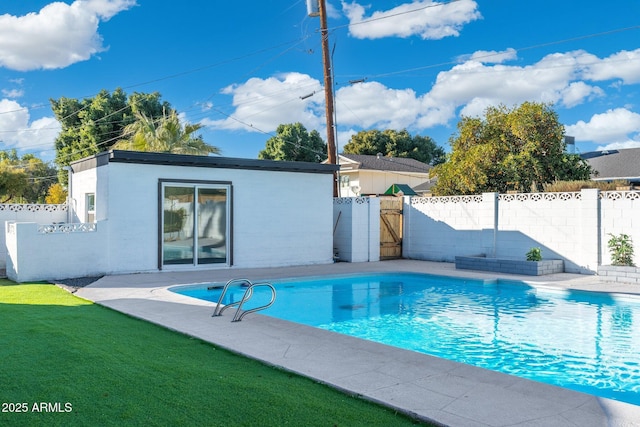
{"points": [[426, 387]]}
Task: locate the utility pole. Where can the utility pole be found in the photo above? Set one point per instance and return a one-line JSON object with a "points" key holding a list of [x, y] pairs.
{"points": [[328, 92]]}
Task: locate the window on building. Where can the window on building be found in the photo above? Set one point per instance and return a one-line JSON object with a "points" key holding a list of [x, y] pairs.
{"points": [[90, 204], [195, 220], [344, 181]]}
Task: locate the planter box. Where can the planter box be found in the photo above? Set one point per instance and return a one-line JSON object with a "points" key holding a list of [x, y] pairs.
{"points": [[619, 273], [510, 266]]}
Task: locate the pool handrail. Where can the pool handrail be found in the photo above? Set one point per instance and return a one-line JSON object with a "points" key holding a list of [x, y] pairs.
{"points": [[248, 293], [219, 307]]}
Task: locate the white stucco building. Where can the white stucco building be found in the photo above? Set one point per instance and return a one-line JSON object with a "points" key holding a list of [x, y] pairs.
{"points": [[142, 212]]}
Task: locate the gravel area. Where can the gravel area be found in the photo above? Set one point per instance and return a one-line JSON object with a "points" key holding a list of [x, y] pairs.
{"points": [[73, 284]]}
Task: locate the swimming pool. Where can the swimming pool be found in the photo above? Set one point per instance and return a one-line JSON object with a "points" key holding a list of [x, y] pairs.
{"points": [[584, 341]]}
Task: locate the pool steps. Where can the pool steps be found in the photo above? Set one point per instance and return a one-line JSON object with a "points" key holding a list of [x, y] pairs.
{"points": [[248, 293]]}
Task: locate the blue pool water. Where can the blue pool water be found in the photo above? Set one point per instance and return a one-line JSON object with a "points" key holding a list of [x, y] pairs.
{"points": [[584, 341]]}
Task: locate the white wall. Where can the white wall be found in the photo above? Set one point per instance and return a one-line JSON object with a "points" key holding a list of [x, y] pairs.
{"points": [[439, 228], [41, 214], [83, 183], [34, 255], [279, 218], [620, 215], [569, 226], [357, 229]]}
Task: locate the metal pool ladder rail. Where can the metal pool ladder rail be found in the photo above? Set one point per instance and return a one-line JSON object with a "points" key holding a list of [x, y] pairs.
{"points": [[248, 293]]}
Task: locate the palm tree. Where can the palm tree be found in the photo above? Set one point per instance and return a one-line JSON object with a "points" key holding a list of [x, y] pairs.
{"points": [[164, 135]]}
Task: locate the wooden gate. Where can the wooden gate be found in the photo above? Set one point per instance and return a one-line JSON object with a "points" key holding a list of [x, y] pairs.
{"points": [[390, 227]]}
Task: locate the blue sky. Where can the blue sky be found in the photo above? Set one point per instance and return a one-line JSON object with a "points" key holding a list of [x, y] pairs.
{"points": [[241, 68]]}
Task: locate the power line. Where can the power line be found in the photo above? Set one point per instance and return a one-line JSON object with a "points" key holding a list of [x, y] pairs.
{"points": [[489, 55], [393, 15]]}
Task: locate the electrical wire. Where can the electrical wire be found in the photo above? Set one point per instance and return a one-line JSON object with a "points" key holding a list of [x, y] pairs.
{"points": [[393, 15], [301, 40]]}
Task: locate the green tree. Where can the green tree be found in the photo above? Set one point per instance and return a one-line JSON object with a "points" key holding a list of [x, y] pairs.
{"points": [[13, 182], [294, 143], [509, 149], [164, 135], [396, 144], [24, 179], [93, 125]]}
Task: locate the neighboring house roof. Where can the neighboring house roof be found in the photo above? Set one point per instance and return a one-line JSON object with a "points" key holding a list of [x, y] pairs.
{"points": [[381, 163], [615, 164], [426, 186], [400, 188]]}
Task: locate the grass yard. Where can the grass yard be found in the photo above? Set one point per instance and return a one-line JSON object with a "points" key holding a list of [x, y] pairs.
{"points": [[67, 361]]}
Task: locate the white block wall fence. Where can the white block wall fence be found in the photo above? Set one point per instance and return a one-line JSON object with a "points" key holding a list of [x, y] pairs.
{"points": [[356, 230], [276, 223], [573, 227], [40, 214]]}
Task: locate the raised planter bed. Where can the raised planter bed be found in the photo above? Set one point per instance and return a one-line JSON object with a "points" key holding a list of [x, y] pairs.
{"points": [[619, 273], [510, 266]]}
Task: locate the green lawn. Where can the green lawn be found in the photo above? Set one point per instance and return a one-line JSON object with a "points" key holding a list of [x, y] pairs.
{"points": [[93, 366]]}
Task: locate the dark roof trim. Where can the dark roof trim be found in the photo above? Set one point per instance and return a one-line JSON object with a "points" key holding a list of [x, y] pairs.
{"points": [[139, 157]]}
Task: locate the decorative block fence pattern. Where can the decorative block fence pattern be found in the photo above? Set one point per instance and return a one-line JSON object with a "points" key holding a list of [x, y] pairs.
{"points": [[40, 214], [572, 227]]}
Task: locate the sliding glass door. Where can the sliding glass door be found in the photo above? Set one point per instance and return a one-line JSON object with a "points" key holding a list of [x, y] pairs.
{"points": [[195, 223]]}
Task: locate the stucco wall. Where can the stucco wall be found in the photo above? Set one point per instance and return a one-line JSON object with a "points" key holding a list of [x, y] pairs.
{"points": [[41, 214]]}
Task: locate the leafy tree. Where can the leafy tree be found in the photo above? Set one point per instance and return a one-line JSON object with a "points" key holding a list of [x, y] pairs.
{"points": [[396, 144], [519, 149], [164, 135], [24, 179], [293, 142], [56, 194], [13, 182], [93, 125]]}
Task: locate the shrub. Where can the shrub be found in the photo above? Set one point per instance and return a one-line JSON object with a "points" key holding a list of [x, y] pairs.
{"points": [[621, 249], [534, 254], [572, 186]]}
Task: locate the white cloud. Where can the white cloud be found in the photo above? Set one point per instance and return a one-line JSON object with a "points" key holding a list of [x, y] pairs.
{"points": [[20, 134], [263, 104], [375, 105], [563, 79], [616, 126], [57, 36], [425, 18], [624, 65], [107, 9], [12, 93], [577, 92], [473, 86], [491, 56], [619, 145]]}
